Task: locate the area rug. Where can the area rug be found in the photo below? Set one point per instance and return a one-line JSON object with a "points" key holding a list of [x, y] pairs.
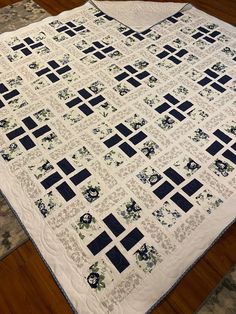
{"points": [[223, 298], [118, 146], [13, 17]]}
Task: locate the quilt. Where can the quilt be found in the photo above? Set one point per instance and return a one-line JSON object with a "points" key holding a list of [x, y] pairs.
{"points": [[117, 149]]}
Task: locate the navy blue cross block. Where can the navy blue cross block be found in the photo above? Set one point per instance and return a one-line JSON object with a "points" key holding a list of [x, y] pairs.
{"points": [[114, 225], [99, 243], [73, 102], [11, 94], [52, 77], [30, 123], [162, 108], [113, 140], [80, 177], [44, 129], [222, 136], [86, 109], [211, 73], [175, 113], [181, 201], [192, 187], [132, 239], [234, 146], [51, 180], [218, 87], [117, 259], [127, 149], [174, 176], [17, 132], [66, 192], [27, 142], [171, 99], [214, 148], [123, 129], [185, 105], [65, 166], [1, 104], [164, 189], [137, 138], [3, 88], [97, 100], [84, 93], [229, 155]]}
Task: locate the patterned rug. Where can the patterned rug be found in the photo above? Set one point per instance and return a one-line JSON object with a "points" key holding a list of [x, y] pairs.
{"points": [[223, 298], [119, 146], [13, 17]]}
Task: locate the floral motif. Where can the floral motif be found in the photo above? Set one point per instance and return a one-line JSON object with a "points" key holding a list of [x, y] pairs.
{"points": [[14, 56], [10, 152], [200, 137], [65, 94], [208, 201], [50, 141], [73, 117], [15, 82], [149, 176], [166, 215], [82, 155], [166, 123], [102, 130], [219, 67], [114, 69], [7, 124], [201, 44], [209, 93], [221, 168], [178, 43], [141, 64], [97, 87], [136, 122], [188, 165], [130, 211], [82, 44], [154, 35], [90, 59], [18, 103], [147, 258], [116, 55], [106, 109], [44, 115], [41, 169], [114, 158], [198, 115], [231, 128], [122, 89], [180, 91], [92, 191], [130, 41], [86, 226], [152, 101], [99, 276], [151, 81], [40, 83], [47, 204], [149, 149]]}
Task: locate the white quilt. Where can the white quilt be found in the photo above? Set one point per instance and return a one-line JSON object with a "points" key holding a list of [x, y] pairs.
{"points": [[117, 146]]}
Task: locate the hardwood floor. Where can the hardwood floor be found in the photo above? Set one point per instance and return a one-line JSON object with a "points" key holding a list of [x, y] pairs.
{"points": [[26, 285]]}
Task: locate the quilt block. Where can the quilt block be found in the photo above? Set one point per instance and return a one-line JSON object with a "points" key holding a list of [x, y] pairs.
{"points": [[118, 149]]}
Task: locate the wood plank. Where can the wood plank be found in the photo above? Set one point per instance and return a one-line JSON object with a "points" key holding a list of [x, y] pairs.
{"points": [[27, 286]]}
